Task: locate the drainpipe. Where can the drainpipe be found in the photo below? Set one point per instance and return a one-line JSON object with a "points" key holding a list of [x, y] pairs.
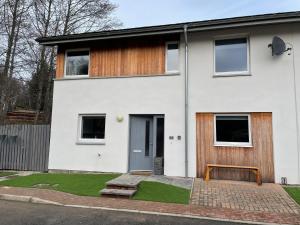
{"points": [[296, 110], [186, 90]]}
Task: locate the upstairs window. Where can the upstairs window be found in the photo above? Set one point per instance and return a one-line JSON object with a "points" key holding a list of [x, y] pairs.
{"points": [[77, 63], [92, 129], [232, 130], [172, 57], [231, 56]]}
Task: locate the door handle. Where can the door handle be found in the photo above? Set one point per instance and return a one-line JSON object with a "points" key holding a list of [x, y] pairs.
{"points": [[137, 150]]}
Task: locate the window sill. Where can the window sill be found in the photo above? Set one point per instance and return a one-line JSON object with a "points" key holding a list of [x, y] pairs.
{"points": [[75, 76], [88, 142], [82, 77], [232, 75], [234, 146]]}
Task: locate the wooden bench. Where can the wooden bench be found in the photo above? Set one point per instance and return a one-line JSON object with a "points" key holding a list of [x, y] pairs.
{"points": [[255, 170]]}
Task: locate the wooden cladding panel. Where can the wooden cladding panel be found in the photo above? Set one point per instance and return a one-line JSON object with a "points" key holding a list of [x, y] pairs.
{"points": [[132, 57], [60, 63], [128, 59], [260, 155]]}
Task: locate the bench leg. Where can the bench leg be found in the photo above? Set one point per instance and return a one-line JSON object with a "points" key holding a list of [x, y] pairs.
{"points": [[207, 170], [257, 176]]}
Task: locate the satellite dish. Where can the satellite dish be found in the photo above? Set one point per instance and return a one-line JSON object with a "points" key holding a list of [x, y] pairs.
{"points": [[278, 46]]}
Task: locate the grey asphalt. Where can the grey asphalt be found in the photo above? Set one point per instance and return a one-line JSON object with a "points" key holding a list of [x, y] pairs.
{"points": [[20, 213]]}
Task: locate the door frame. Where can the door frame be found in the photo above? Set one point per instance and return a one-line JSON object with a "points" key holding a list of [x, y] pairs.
{"points": [[154, 117]]}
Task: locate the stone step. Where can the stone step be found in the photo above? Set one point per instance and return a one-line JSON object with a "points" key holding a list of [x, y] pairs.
{"points": [[117, 193], [141, 172], [122, 186]]}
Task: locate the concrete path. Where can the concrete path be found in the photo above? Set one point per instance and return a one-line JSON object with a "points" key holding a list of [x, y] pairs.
{"points": [[127, 179], [16, 213]]}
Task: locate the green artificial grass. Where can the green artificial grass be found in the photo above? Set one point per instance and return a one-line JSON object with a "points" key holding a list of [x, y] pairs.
{"points": [[4, 174], [294, 192], [158, 192], [78, 184]]}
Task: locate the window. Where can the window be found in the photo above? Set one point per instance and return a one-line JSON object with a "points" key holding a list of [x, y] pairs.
{"points": [[232, 130], [77, 63], [147, 138], [92, 129], [172, 57], [231, 56]]}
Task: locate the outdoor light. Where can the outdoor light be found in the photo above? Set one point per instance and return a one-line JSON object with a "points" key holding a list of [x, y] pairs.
{"points": [[120, 119]]}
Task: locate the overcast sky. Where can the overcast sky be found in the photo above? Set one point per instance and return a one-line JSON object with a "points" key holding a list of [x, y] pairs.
{"points": [[136, 13]]}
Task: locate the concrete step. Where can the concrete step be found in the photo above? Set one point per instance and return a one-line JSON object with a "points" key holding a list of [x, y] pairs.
{"points": [[122, 186], [117, 193], [141, 172]]}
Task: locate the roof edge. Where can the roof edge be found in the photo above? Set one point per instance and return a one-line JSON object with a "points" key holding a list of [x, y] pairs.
{"points": [[274, 18]]}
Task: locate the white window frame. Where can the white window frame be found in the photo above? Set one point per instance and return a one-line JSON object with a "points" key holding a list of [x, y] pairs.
{"points": [[89, 141], [232, 73], [65, 63], [233, 144], [166, 57]]}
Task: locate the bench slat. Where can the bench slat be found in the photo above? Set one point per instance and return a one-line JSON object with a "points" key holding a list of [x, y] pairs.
{"points": [[255, 170], [232, 166]]}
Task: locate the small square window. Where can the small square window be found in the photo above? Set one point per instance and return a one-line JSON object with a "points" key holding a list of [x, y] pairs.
{"points": [[77, 63], [172, 57], [92, 128], [232, 130], [231, 56]]}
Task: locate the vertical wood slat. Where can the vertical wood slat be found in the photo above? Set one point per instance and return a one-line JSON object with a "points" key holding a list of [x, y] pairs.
{"points": [[132, 57], [260, 155], [29, 151]]}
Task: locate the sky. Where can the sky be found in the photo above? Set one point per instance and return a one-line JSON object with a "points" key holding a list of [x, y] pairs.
{"points": [[137, 13]]}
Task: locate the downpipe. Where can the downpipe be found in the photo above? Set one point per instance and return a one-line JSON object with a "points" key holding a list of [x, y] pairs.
{"points": [[186, 105]]}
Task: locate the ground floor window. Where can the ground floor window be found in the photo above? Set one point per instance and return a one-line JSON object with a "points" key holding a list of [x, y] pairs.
{"points": [[232, 130], [91, 129]]}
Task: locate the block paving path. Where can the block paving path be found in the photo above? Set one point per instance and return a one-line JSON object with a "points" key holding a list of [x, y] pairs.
{"points": [[190, 210], [243, 196]]}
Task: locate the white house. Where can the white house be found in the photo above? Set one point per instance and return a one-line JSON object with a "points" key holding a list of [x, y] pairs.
{"points": [[170, 99]]}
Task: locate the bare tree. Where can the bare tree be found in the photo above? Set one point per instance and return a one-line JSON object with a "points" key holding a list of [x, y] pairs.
{"points": [[12, 12], [21, 22]]}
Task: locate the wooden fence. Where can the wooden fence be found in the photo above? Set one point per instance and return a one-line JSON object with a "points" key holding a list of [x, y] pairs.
{"points": [[24, 147]]}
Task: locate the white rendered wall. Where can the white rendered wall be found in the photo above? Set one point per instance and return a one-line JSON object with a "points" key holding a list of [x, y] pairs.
{"points": [[115, 97], [268, 89]]}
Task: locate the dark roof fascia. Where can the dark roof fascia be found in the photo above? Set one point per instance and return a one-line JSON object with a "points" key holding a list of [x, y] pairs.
{"points": [[265, 19]]}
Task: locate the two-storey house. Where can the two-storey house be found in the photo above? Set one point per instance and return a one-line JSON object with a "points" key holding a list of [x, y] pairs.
{"points": [[170, 99]]}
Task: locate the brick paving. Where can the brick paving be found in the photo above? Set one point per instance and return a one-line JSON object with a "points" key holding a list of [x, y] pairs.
{"points": [[243, 196], [194, 210]]}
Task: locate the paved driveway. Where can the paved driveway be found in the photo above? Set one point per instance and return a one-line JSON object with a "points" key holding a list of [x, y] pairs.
{"points": [[16, 213], [243, 196]]}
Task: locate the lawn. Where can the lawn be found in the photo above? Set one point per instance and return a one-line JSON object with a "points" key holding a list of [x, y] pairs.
{"points": [[158, 192], [294, 192], [4, 174], [78, 184]]}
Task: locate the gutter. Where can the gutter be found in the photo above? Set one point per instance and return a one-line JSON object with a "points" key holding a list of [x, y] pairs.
{"points": [[186, 99]]}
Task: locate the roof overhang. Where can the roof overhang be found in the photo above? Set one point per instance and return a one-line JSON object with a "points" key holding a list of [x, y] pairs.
{"points": [[277, 18]]}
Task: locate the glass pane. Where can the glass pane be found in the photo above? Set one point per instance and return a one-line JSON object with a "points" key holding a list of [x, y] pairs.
{"points": [[231, 55], [232, 129], [77, 63], [160, 137], [172, 57], [147, 138], [93, 127]]}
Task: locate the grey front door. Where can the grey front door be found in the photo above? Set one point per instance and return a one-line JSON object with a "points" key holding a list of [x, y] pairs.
{"points": [[141, 143]]}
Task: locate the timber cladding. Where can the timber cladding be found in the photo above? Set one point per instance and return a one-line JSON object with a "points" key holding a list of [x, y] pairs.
{"points": [[124, 57], [260, 155]]}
